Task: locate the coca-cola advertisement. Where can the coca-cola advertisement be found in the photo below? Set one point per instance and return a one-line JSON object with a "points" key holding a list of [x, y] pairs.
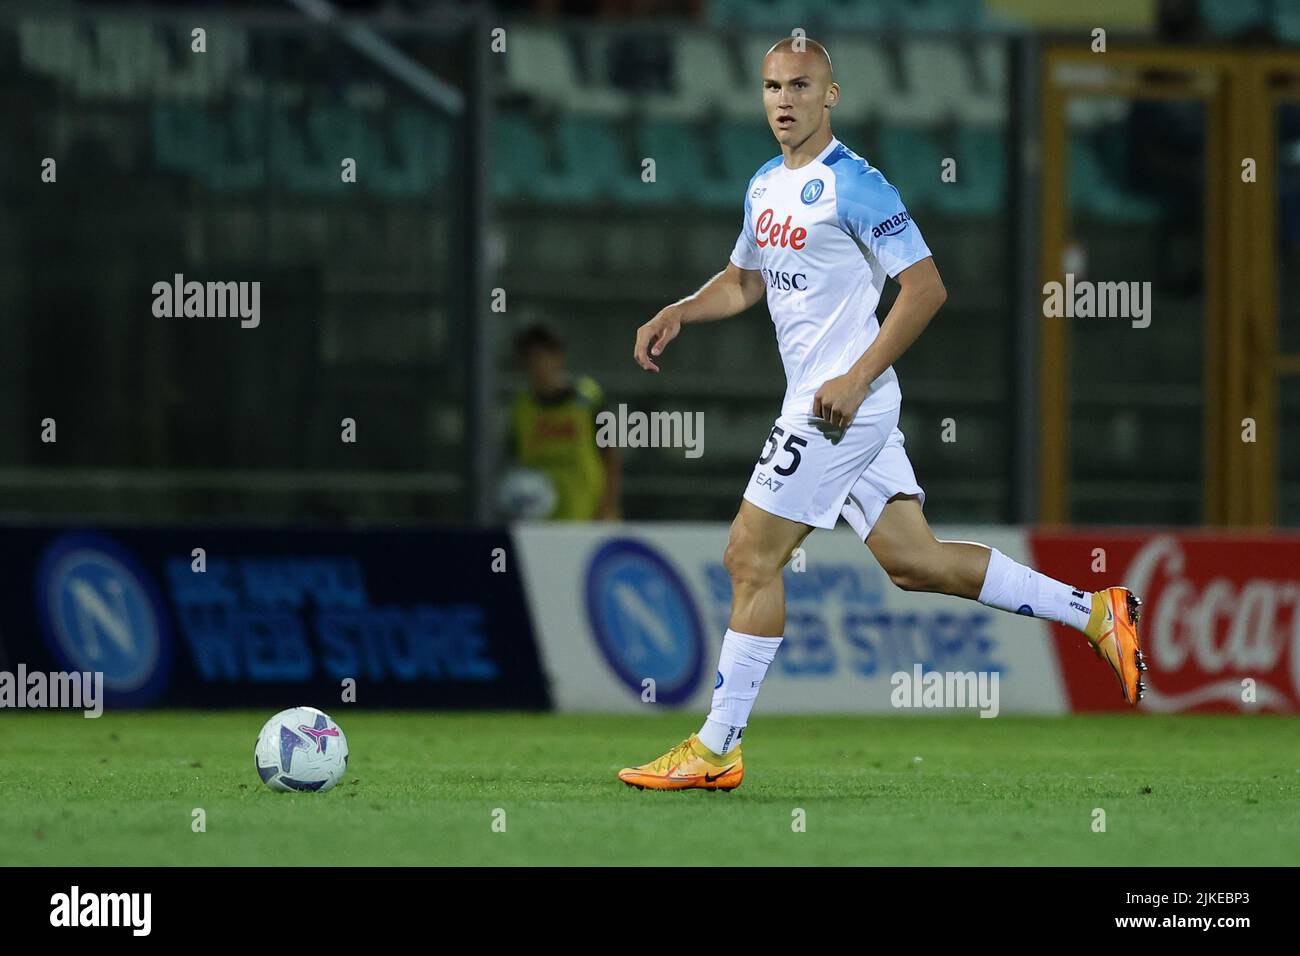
{"points": [[1220, 622]]}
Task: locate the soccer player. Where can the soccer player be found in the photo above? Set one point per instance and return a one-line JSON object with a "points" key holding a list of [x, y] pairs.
{"points": [[553, 430], [822, 229]]}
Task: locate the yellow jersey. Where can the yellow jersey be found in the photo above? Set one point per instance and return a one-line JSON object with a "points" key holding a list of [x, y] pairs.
{"points": [[557, 436]]}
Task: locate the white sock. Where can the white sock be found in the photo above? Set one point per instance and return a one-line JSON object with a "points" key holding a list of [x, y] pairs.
{"points": [[741, 667], [1013, 587]]}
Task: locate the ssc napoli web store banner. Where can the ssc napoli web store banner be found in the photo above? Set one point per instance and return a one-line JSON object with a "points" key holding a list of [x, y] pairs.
{"points": [[615, 606], [1220, 617], [276, 619]]}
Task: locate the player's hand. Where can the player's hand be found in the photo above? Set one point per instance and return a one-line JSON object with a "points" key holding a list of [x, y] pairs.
{"points": [[653, 337], [838, 399]]}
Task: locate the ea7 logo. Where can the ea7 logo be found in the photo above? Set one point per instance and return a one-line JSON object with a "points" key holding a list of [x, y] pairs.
{"points": [[891, 226], [767, 481], [75, 908]]}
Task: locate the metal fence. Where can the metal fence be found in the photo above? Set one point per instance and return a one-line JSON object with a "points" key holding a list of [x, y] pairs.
{"points": [[230, 163]]}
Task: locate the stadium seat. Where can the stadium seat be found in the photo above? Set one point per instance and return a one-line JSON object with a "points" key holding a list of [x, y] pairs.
{"points": [[753, 50], [866, 78], [939, 14], [1090, 112], [993, 74], [1094, 191], [243, 153], [678, 158], [47, 47], [1228, 17], [221, 151], [939, 85], [518, 157], [782, 15], [422, 143], [129, 57], [1286, 22], [701, 77], [854, 15], [335, 130], [291, 160], [728, 13], [744, 99], [209, 75], [706, 80], [306, 152], [981, 155], [682, 170], [181, 138], [540, 64], [593, 165], [911, 159], [742, 149]]}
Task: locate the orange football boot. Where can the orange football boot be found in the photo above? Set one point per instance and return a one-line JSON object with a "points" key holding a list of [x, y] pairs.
{"points": [[688, 766], [1113, 632]]}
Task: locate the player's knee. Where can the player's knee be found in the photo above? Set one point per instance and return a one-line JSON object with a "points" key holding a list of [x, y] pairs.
{"points": [[914, 573], [906, 578], [745, 566]]}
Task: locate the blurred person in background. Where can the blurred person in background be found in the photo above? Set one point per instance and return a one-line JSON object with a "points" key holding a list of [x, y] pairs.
{"points": [[553, 431]]}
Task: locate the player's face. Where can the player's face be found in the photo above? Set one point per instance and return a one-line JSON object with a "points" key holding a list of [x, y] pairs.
{"points": [[544, 367], [797, 88]]}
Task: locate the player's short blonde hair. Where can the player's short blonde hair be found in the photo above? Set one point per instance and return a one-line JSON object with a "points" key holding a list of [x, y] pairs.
{"points": [[786, 45]]}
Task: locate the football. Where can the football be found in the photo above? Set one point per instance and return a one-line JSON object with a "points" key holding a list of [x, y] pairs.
{"points": [[526, 494], [301, 749]]}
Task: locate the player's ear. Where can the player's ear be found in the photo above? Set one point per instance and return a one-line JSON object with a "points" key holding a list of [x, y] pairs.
{"points": [[832, 95]]}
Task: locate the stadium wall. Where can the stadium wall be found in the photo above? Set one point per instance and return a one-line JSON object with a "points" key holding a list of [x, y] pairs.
{"points": [[614, 617], [207, 617], [614, 605]]}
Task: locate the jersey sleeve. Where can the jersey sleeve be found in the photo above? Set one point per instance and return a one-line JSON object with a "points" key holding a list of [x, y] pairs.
{"points": [[871, 211], [745, 253]]}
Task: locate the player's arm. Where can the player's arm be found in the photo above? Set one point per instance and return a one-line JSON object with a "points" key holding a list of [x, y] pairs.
{"points": [[613, 467], [919, 298], [730, 292], [611, 463]]}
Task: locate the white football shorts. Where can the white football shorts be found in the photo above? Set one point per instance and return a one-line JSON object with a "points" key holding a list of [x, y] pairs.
{"points": [[813, 473]]}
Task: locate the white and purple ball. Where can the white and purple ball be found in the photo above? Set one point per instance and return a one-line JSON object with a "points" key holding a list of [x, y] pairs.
{"points": [[301, 749], [526, 494]]}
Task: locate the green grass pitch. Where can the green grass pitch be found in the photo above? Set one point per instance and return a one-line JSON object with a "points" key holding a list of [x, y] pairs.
{"points": [[422, 788]]}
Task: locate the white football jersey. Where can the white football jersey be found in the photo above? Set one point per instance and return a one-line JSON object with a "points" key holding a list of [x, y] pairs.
{"points": [[824, 237]]}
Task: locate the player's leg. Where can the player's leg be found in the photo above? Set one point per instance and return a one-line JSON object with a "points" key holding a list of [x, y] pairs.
{"points": [[915, 560], [759, 546], [803, 475]]}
